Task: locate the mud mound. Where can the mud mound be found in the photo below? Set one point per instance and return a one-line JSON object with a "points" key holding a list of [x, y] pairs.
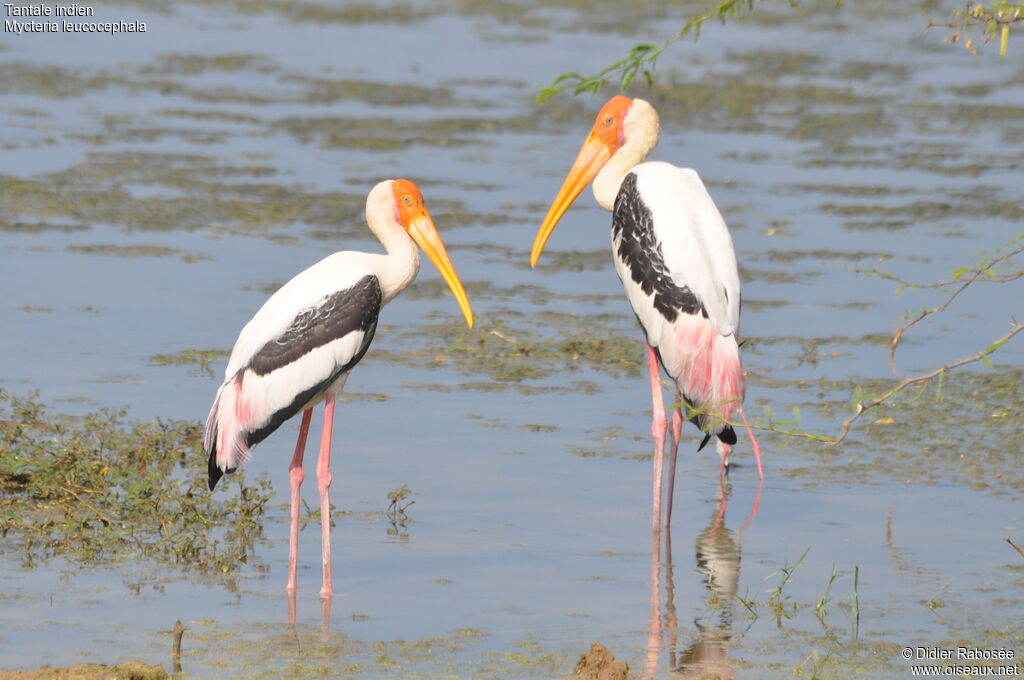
{"points": [[598, 664]]}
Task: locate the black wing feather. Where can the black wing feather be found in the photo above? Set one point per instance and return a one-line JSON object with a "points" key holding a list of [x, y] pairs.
{"points": [[635, 242], [336, 315]]}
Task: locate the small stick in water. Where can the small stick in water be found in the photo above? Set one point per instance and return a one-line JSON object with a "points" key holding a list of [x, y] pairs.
{"points": [[178, 631]]}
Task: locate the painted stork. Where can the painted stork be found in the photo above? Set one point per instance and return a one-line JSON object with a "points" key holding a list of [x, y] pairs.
{"points": [[674, 255], [299, 348]]}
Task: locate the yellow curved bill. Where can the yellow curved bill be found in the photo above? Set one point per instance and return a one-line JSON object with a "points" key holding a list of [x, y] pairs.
{"points": [[588, 163], [425, 234]]}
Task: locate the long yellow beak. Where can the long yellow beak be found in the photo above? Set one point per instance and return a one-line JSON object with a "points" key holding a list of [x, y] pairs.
{"points": [[425, 234], [591, 158]]}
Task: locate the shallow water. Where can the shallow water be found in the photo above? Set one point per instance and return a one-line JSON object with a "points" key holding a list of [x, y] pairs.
{"points": [[155, 188]]}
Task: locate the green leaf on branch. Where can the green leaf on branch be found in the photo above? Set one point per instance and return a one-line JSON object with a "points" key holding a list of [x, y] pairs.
{"points": [[642, 58], [994, 19]]}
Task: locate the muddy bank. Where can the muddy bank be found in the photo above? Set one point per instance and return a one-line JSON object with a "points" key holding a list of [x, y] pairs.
{"points": [[128, 670]]}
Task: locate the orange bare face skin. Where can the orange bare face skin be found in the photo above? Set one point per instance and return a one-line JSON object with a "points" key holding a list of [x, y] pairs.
{"points": [[608, 124], [408, 202], [411, 213]]}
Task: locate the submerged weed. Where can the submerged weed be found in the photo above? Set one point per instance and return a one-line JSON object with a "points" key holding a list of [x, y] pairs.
{"points": [[512, 356], [97, 489], [201, 357]]}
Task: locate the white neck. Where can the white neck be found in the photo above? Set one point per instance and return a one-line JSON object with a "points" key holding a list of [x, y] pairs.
{"points": [[640, 130], [399, 267]]}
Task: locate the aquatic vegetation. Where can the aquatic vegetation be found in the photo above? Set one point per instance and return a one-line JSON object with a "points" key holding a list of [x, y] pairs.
{"points": [[821, 166], [196, 192], [399, 503], [133, 251], [268, 651], [511, 355], [127, 670], [97, 489], [966, 427], [201, 357]]}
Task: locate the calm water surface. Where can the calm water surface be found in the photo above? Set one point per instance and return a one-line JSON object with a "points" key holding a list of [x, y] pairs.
{"points": [[156, 187]]}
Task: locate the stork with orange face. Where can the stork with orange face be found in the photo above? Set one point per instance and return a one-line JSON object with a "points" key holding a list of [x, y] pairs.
{"points": [[299, 348], [675, 258]]}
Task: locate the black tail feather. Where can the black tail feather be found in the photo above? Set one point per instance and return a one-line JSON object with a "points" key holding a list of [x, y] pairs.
{"points": [[215, 472]]}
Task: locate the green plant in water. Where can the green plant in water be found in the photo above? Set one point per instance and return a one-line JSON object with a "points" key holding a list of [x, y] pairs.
{"points": [[776, 601], [813, 665], [396, 510], [820, 608], [855, 602], [748, 603], [96, 489], [201, 357]]}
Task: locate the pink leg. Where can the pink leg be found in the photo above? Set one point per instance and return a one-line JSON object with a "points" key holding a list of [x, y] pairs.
{"points": [[654, 620], [296, 475], [753, 443], [325, 618], [675, 431], [756, 505], [323, 482], [658, 432]]}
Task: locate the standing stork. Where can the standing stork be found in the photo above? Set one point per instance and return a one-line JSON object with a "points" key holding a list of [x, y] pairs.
{"points": [[299, 348], [674, 255]]}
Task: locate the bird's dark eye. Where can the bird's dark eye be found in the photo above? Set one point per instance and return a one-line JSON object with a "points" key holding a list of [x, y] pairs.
{"points": [[608, 120], [407, 200]]}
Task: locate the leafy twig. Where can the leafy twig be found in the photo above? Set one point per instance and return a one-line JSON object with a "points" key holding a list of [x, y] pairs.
{"points": [[642, 58], [992, 20]]}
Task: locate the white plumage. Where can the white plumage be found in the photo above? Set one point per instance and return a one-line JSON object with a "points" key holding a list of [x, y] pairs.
{"points": [[299, 347], [334, 273], [675, 257], [695, 241], [247, 401]]}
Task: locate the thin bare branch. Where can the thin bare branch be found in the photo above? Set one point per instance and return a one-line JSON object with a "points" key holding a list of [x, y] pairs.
{"points": [[788, 433], [862, 407], [1014, 546], [1001, 278], [982, 272], [922, 380]]}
